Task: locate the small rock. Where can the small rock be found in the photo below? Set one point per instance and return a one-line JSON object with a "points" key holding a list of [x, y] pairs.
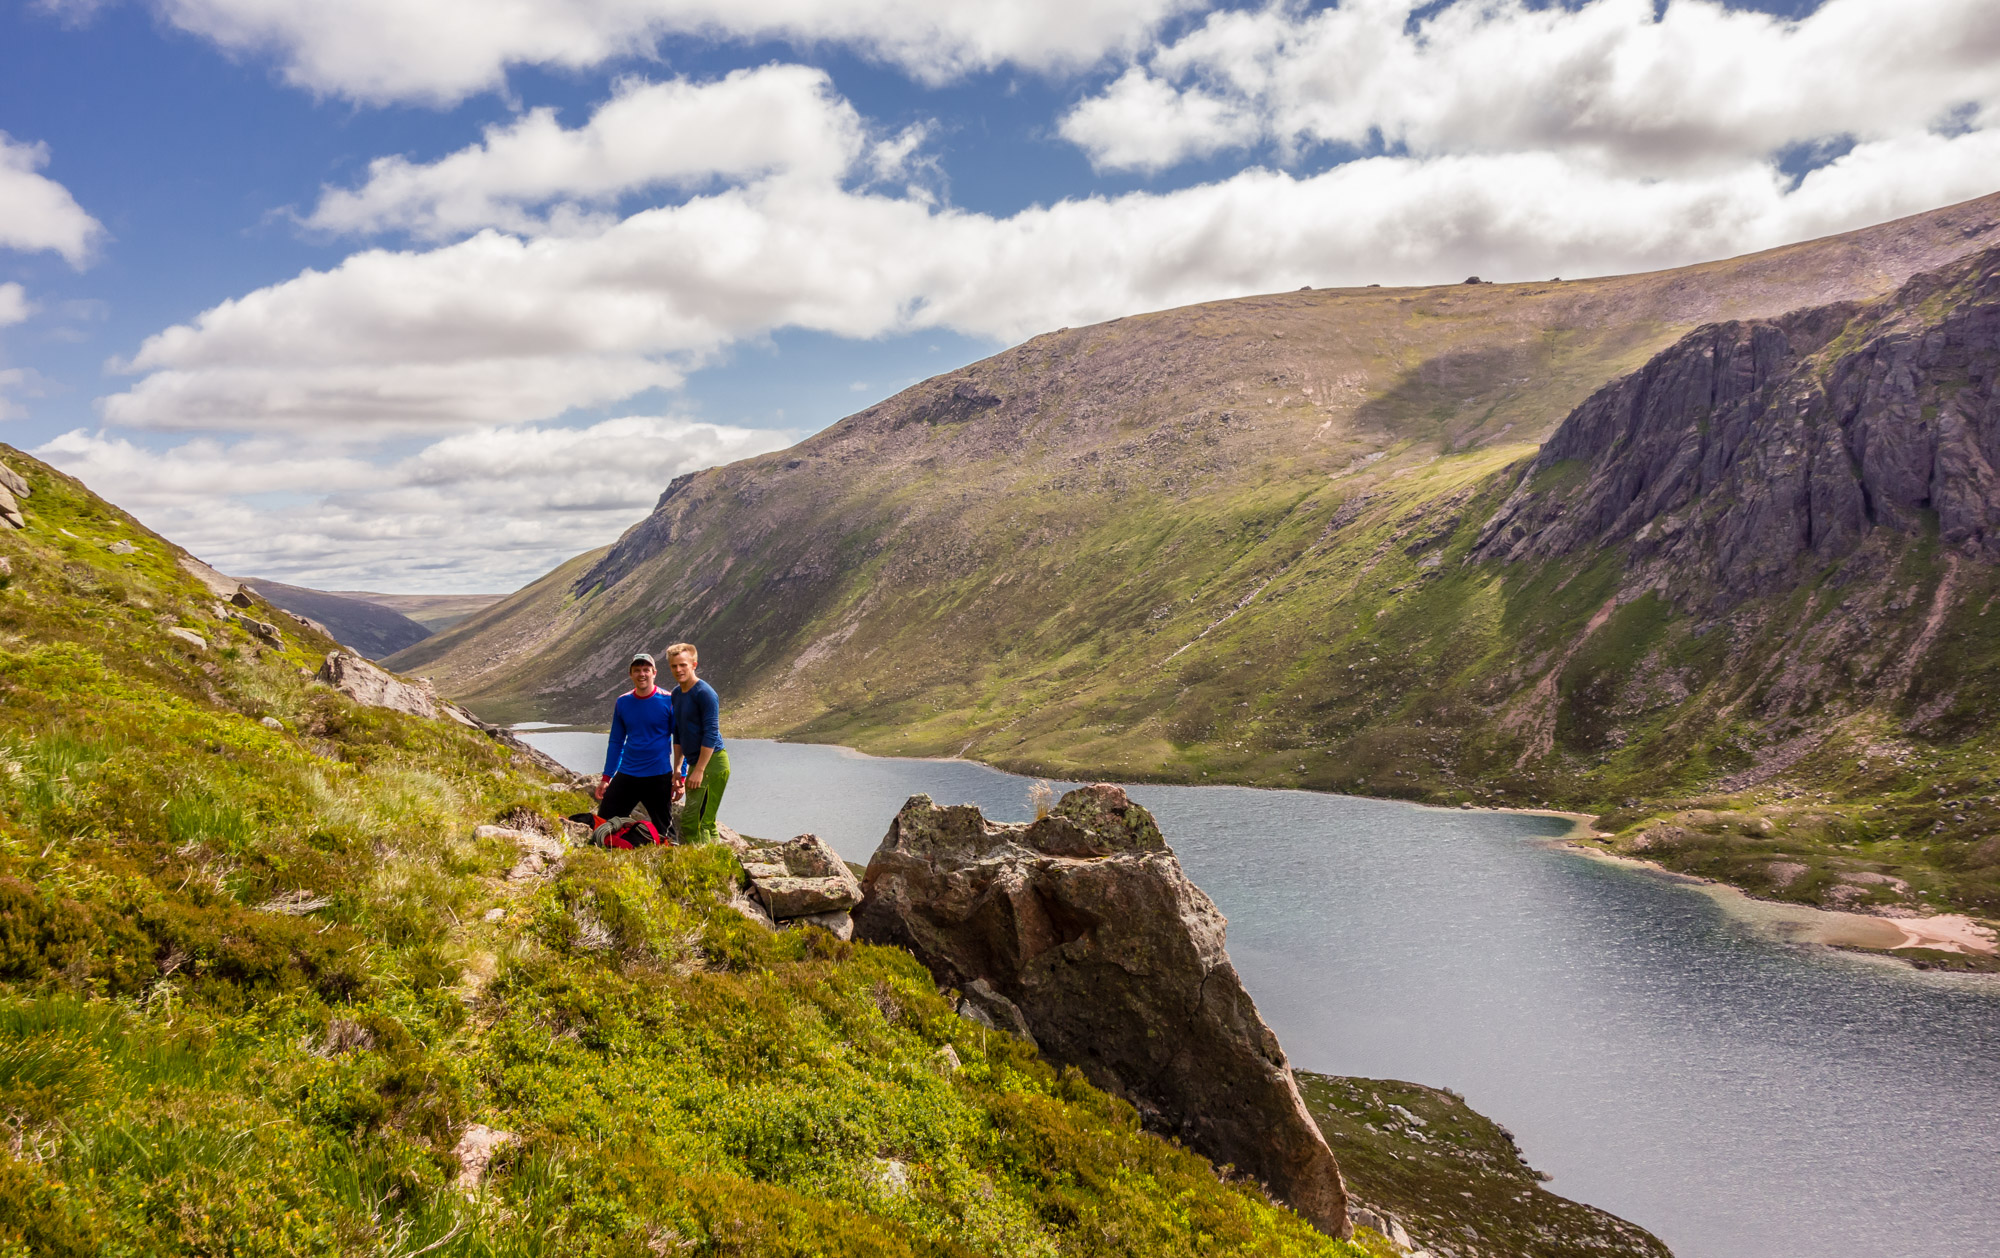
{"points": [[242, 597], [751, 909], [891, 1176], [124, 548], [270, 722], [948, 1058], [475, 1151], [841, 924], [188, 636], [494, 915]]}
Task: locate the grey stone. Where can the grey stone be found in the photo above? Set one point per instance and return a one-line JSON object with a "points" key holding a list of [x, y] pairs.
{"points": [[211, 580], [10, 511], [375, 687], [840, 924], [475, 1149], [270, 722], [788, 897], [1081, 929], [189, 636], [14, 483], [123, 548], [801, 877]]}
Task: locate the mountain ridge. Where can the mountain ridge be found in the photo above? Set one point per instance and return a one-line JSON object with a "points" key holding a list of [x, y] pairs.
{"points": [[1192, 552]]}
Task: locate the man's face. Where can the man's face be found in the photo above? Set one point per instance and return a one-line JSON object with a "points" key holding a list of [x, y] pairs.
{"points": [[683, 666], [642, 676]]}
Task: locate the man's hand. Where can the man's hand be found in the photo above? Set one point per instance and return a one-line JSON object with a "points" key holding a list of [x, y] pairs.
{"points": [[694, 778], [680, 786], [597, 792]]}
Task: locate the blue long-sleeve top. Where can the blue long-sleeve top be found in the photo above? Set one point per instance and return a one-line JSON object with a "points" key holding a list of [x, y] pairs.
{"points": [[697, 720], [642, 736]]}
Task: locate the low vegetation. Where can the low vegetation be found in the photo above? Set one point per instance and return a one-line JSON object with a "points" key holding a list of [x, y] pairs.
{"points": [[259, 979], [1454, 1178]]}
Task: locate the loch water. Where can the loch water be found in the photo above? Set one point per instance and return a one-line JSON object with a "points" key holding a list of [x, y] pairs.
{"points": [[1739, 1096]]}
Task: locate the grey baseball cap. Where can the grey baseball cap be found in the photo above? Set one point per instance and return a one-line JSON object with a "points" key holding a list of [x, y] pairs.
{"points": [[643, 658]]}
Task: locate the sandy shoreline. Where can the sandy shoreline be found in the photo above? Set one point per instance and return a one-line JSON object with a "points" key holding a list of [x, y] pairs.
{"points": [[1802, 923]]}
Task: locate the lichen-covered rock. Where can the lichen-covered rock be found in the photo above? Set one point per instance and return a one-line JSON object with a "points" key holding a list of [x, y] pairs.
{"points": [[1081, 931], [801, 877]]}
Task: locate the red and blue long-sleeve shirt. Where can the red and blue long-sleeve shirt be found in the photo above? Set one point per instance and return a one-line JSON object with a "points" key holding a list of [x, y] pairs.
{"points": [[642, 736]]}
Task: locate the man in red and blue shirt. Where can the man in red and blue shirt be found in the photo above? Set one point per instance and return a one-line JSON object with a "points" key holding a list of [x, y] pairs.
{"points": [[639, 756]]}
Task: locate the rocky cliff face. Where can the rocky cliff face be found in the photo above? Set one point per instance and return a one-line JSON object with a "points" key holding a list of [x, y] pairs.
{"points": [[1753, 453], [1081, 931]]}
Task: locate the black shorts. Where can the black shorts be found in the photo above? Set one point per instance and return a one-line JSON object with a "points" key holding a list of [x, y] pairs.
{"points": [[655, 792]]}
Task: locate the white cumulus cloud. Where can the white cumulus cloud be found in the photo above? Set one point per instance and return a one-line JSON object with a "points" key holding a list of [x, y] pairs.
{"points": [[753, 122], [445, 50], [478, 511], [36, 212], [14, 307], [1695, 85], [501, 329]]}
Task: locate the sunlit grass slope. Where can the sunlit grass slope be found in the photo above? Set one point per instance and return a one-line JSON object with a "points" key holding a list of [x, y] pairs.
{"points": [[257, 980]]}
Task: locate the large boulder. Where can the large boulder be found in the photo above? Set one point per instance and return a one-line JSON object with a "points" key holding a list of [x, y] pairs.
{"points": [[374, 687], [1083, 928]]}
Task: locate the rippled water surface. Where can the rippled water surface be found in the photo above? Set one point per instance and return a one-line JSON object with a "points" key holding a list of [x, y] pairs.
{"points": [[1740, 1097]]}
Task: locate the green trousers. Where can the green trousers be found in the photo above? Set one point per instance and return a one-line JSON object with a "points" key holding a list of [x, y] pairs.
{"points": [[697, 818]]}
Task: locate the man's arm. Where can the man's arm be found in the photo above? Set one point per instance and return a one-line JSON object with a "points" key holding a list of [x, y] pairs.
{"points": [[614, 751], [710, 718]]}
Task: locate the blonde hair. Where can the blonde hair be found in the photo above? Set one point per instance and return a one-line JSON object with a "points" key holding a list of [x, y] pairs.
{"points": [[683, 648]]}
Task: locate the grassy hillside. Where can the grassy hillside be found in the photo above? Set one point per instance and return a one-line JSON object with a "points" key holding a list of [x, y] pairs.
{"points": [[259, 977], [1231, 543]]}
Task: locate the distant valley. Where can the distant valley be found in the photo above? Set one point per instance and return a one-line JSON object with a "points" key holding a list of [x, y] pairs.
{"points": [[377, 625]]}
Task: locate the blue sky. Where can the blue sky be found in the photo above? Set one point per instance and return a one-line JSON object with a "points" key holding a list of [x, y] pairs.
{"points": [[371, 293]]}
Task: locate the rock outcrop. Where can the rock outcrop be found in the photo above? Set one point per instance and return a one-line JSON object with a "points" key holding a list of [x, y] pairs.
{"points": [[1751, 452], [799, 880], [375, 687], [1082, 926]]}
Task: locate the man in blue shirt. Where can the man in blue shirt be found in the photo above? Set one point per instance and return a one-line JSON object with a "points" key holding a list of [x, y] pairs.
{"points": [[698, 734], [639, 756]]}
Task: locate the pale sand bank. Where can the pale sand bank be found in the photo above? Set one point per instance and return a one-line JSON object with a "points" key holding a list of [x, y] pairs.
{"points": [[1801, 923]]}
